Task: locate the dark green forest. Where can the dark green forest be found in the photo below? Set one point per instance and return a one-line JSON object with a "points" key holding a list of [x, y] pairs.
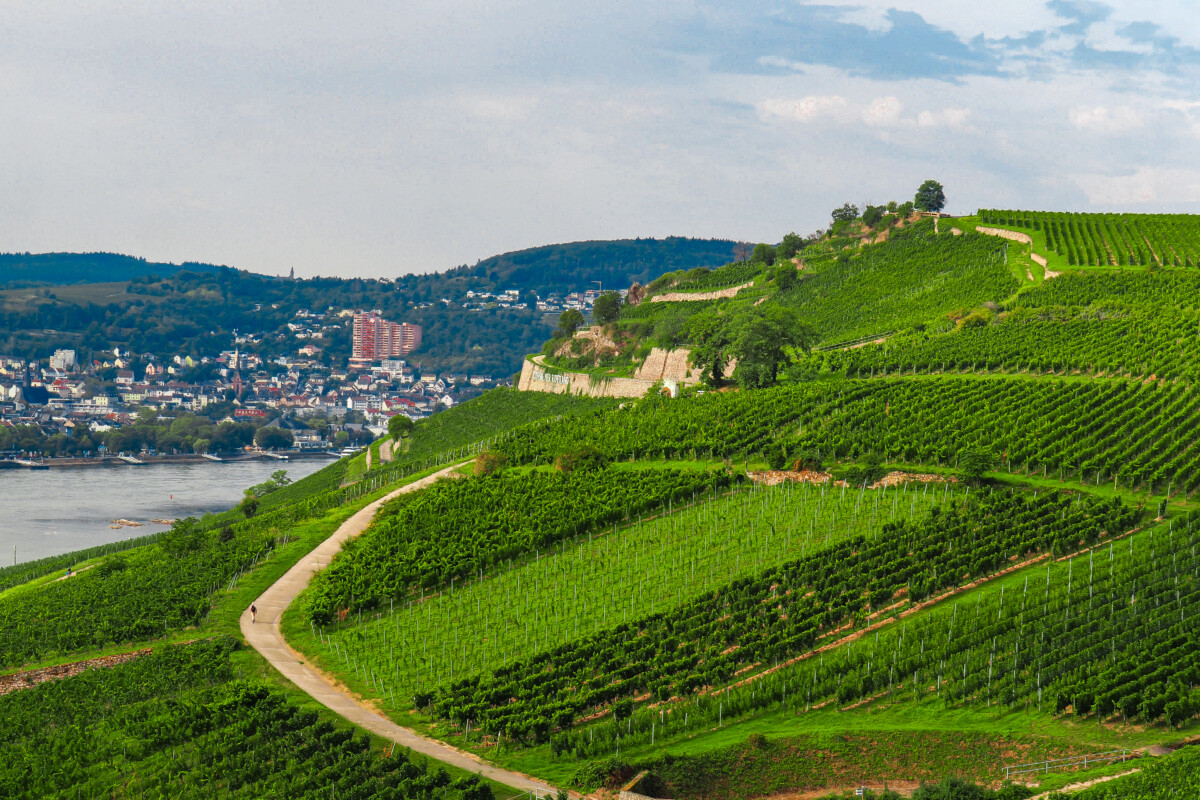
{"points": [[52, 269]]}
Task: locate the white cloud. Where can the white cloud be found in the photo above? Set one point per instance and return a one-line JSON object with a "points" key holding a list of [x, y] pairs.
{"points": [[1185, 107], [779, 61], [805, 109], [946, 118], [1103, 119], [1145, 185], [883, 112]]}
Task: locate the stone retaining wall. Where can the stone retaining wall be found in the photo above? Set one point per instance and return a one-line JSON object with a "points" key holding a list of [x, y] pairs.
{"points": [[668, 367], [535, 378]]}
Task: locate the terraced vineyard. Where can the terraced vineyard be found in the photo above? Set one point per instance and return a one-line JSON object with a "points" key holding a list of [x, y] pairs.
{"points": [[1097, 431], [177, 723], [758, 622], [612, 592], [604, 578], [459, 529], [1110, 239], [917, 277], [1134, 324], [1044, 341]]}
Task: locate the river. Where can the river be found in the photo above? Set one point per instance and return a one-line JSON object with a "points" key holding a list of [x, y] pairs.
{"points": [[49, 512]]}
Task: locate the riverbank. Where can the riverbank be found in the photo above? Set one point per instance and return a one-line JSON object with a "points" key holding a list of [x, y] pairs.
{"points": [[180, 458]]}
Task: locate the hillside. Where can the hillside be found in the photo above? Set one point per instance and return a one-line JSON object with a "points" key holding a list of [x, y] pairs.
{"points": [[575, 266], [194, 312], [963, 551], [59, 269]]}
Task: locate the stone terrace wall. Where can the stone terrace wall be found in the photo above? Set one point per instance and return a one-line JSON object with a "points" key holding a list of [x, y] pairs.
{"points": [[1014, 236], [660, 366]]}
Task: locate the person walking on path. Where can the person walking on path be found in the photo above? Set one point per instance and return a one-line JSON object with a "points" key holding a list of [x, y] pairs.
{"points": [[253, 613]]}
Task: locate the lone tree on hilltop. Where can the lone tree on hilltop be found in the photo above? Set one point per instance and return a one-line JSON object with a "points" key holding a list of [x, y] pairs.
{"points": [[930, 197]]}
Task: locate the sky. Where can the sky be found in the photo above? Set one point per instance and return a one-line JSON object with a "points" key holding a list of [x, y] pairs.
{"points": [[377, 138]]}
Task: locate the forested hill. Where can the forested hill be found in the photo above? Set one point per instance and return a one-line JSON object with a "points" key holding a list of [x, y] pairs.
{"points": [[57, 269], [195, 310], [555, 268], [616, 264]]}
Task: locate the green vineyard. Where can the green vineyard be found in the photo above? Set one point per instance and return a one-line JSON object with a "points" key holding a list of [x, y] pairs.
{"points": [[604, 578], [178, 723], [1131, 432], [916, 277], [459, 529], [949, 533], [1100, 240], [762, 621]]}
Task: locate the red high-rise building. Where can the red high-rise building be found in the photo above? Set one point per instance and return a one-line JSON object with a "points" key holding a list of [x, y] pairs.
{"points": [[376, 338]]}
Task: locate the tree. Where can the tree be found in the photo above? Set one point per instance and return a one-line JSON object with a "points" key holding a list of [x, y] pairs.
{"points": [[278, 480], [708, 332], [761, 340], [400, 427], [273, 438], [570, 321], [249, 506], [847, 213], [974, 463], [791, 244], [341, 439], [606, 308], [763, 254], [930, 197], [871, 215], [776, 455], [785, 276]]}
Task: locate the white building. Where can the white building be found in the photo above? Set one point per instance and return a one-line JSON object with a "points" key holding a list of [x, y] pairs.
{"points": [[63, 360]]}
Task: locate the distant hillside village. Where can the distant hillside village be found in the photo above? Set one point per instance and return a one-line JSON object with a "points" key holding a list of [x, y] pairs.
{"points": [[68, 405]]}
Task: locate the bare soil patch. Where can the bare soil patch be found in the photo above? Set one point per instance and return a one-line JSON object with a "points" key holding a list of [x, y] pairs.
{"points": [[30, 678]]}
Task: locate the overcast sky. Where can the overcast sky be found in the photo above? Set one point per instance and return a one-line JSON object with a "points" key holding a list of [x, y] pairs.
{"points": [[379, 138]]}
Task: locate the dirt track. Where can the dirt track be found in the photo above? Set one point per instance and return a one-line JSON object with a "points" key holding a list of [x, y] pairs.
{"points": [[266, 637]]}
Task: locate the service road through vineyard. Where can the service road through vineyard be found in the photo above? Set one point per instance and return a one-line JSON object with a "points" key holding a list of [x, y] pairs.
{"points": [[599, 580], [265, 637]]}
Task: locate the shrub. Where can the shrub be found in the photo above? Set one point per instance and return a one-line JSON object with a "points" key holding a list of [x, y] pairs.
{"points": [[490, 462], [776, 455], [585, 459]]}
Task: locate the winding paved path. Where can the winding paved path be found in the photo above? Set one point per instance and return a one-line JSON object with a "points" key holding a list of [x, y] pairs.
{"points": [[265, 637]]}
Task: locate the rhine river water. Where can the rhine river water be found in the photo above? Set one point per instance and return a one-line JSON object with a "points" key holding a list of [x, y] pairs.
{"points": [[49, 512]]}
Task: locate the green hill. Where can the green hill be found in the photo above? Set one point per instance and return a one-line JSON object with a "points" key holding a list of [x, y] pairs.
{"points": [[195, 308], [58, 269], [577, 266], [965, 549]]}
